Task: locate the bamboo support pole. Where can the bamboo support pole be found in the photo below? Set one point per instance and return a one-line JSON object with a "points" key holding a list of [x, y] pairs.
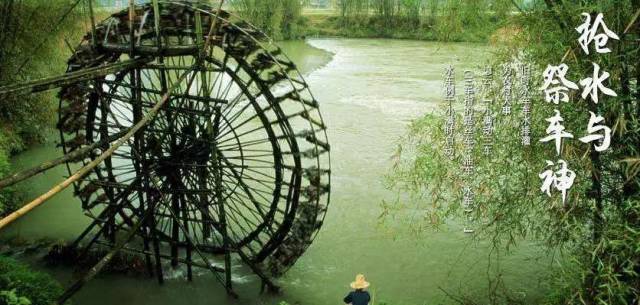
{"points": [[104, 261], [80, 152], [69, 78], [87, 168], [94, 43], [163, 84], [214, 24], [156, 22], [132, 31]]}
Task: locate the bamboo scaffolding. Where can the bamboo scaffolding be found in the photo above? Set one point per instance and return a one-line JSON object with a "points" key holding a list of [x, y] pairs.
{"points": [[163, 83], [87, 168], [104, 261], [92, 17], [80, 152], [214, 24], [69, 78]]}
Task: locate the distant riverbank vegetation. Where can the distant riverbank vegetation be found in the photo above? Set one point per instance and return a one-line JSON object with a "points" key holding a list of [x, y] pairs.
{"points": [[280, 19], [441, 20]]}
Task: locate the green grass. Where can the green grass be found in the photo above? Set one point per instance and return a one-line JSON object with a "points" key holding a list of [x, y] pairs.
{"points": [[331, 25], [19, 284]]}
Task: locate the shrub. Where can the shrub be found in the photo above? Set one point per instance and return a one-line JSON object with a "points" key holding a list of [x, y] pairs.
{"points": [[18, 283], [9, 297]]}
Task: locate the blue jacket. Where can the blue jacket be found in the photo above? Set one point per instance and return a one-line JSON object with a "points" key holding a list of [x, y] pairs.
{"points": [[358, 297]]}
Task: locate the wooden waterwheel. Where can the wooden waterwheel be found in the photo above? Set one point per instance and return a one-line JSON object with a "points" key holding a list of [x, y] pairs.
{"points": [[235, 165]]}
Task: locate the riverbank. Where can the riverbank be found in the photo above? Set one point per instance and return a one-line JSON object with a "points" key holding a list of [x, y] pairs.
{"points": [[331, 25], [19, 285]]}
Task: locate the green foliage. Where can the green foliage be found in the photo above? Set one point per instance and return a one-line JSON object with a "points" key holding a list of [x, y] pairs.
{"points": [[280, 19], [598, 231], [11, 298], [443, 20], [19, 285], [31, 47], [8, 196]]}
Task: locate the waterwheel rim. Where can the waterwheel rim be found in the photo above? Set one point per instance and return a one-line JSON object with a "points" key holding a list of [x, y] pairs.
{"points": [[289, 159]]}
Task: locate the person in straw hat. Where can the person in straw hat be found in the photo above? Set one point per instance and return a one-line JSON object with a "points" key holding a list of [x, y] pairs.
{"points": [[359, 296]]}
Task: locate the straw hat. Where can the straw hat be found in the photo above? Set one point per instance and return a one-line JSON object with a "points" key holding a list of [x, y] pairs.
{"points": [[360, 282]]}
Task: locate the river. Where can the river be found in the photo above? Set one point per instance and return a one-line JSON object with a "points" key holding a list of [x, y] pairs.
{"points": [[369, 90]]}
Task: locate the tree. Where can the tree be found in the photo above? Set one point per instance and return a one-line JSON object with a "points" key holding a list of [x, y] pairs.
{"points": [[599, 228]]}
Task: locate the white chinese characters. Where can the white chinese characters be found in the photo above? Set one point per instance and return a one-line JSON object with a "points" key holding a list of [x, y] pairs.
{"points": [[560, 179], [488, 128], [507, 83], [450, 97], [557, 88], [556, 76], [525, 78], [589, 33], [592, 84], [556, 131], [592, 129]]}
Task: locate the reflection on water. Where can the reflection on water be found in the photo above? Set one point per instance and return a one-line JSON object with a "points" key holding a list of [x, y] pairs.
{"points": [[369, 89]]}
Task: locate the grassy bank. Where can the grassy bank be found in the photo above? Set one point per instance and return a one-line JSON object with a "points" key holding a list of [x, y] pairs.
{"points": [[441, 20], [331, 25], [19, 285]]}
